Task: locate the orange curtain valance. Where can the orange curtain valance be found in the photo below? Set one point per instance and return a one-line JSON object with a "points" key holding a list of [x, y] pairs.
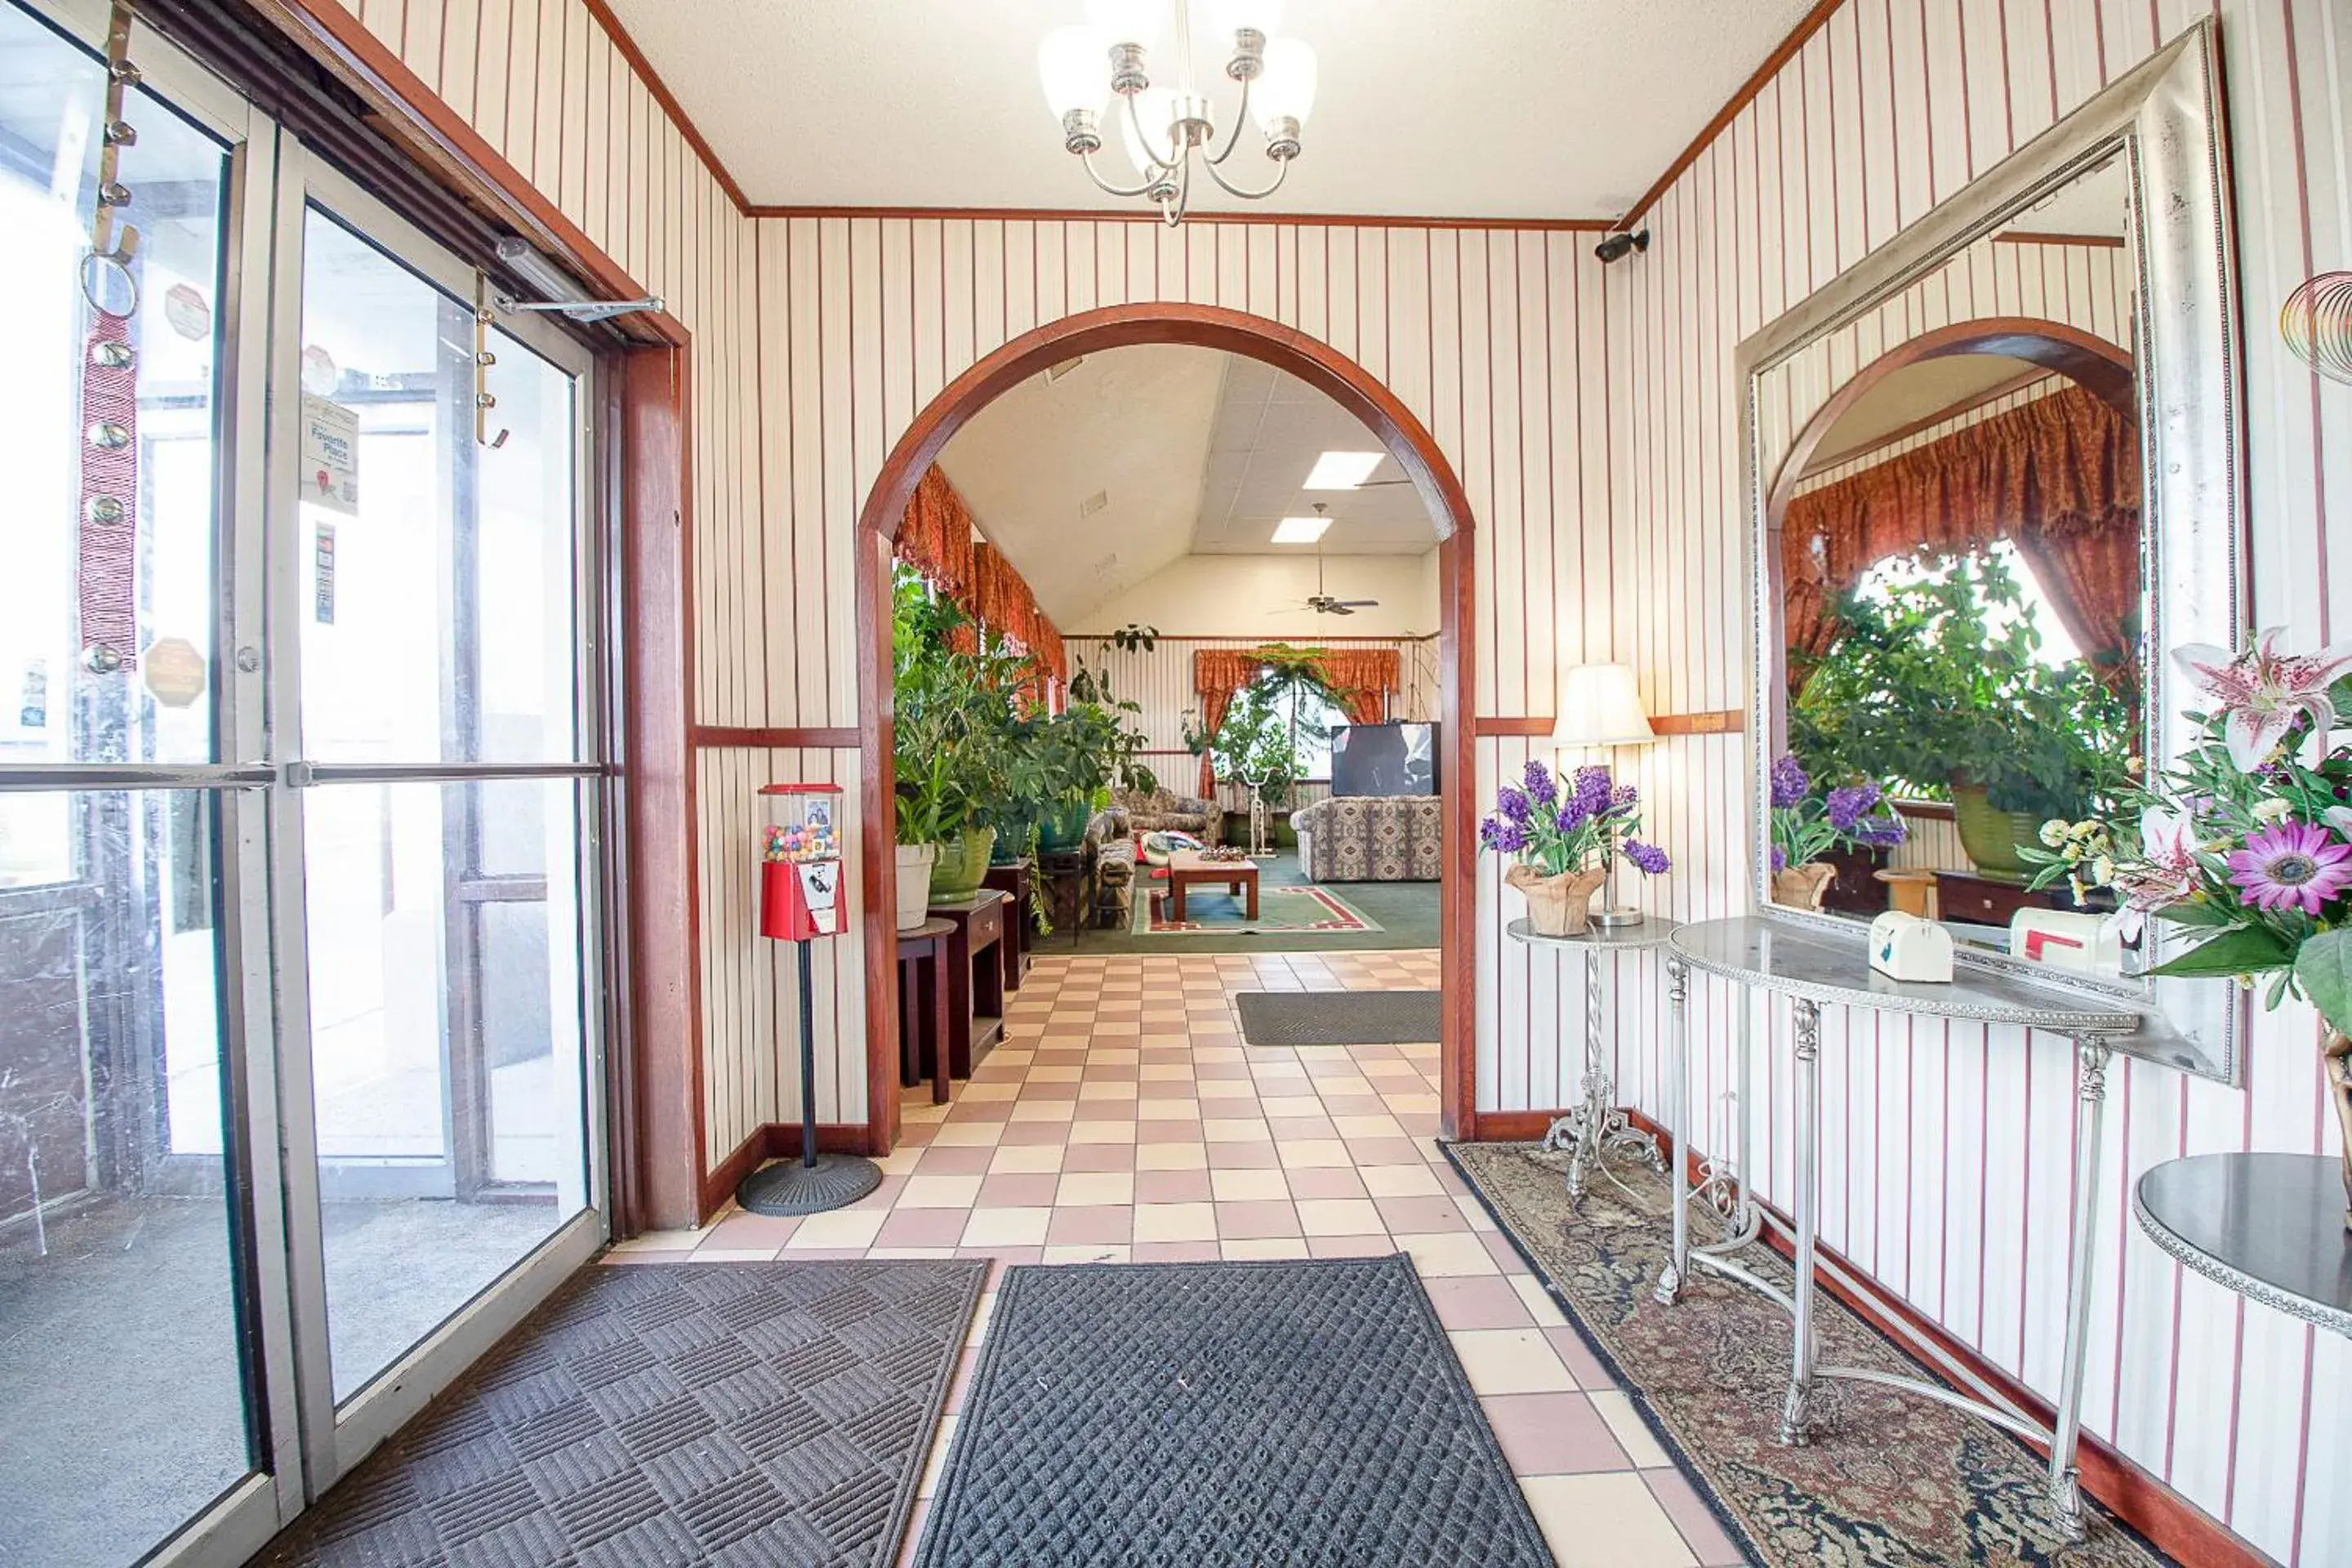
{"points": [[1362, 677], [2059, 475], [935, 538]]}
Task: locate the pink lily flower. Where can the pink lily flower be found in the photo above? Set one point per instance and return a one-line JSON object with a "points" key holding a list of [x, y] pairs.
{"points": [[2262, 692], [2165, 872]]}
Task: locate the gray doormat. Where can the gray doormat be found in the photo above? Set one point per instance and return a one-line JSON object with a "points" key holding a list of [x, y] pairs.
{"points": [[1887, 1477], [1239, 1414], [1339, 1017], [751, 1415]]}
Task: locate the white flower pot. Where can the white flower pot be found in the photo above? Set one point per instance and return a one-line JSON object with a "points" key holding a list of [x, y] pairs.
{"points": [[915, 883]]}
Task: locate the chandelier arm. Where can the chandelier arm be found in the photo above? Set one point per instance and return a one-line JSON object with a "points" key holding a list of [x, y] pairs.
{"points": [[1282, 171], [1241, 118], [1108, 188], [1175, 213], [1144, 142]]}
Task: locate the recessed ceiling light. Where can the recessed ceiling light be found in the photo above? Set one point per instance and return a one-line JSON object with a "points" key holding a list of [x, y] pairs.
{"points": [[1343, 471], [1301, 529]]}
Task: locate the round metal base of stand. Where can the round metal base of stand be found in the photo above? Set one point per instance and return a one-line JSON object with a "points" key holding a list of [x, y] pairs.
{"points": [[1617, 920], [789, 1187]]}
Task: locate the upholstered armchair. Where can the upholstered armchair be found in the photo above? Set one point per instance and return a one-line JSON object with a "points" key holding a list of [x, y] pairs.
{"points": [[1164, 810], [1370, 838], [1110, 861]]}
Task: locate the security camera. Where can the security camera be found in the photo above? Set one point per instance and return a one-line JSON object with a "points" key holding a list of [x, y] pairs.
{"points": [[1616, 245]]}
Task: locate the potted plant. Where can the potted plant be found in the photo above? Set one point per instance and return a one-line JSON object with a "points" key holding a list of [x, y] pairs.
{"points": [[1947, 668], [2248, 838], [954, 709], [1805, 828], [1564, 834]]}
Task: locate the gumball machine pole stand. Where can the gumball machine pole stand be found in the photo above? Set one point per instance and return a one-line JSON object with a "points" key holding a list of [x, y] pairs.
{"points": [[800, 878]]}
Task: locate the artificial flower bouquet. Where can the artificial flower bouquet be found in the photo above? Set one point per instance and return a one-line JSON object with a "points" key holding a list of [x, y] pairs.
{"points": [[1565, 833], [2247, 839], [1806, 826]]}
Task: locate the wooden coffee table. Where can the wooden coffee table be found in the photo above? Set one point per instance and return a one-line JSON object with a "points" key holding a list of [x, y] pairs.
{"points": [[1236, 877]]}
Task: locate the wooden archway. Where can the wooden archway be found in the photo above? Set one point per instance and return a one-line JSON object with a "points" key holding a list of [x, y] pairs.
{"points": [[1353, 388], [2103, 369]]}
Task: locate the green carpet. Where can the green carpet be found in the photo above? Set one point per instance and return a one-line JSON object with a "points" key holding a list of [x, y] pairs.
{"points": [[1405, 912]]}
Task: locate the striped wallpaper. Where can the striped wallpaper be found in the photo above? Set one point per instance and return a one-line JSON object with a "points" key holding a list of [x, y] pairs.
{"points": [[1590, 413], [1948, 1150]]}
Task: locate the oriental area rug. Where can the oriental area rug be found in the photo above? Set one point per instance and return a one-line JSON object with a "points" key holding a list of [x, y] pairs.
{"points": [[1888, 1479]]}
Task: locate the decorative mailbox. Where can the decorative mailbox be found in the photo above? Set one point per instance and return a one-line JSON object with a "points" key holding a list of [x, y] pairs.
{"points": [[800, 854]]}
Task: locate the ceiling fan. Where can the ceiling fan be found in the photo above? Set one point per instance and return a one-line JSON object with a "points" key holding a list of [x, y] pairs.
{"points": [[1322, 602]]}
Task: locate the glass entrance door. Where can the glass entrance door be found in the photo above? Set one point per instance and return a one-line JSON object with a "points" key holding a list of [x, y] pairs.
{"points": [[439, 1031], [302, 872]]}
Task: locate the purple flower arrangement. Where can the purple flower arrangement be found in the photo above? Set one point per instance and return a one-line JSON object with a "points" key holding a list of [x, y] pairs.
{"points": [[1805, 828], [1583, 821]]}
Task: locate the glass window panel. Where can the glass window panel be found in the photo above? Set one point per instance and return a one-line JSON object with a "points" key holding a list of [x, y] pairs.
{"points": [[439, 621], [448, 1049], [51, 710], [119, 1364]]}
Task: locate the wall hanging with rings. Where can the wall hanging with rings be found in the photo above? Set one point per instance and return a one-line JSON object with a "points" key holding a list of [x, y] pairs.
{"points": [[106, 543]]}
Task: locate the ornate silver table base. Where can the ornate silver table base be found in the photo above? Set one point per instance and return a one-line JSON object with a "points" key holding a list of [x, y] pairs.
{"points": [[1808, 968], [1596, 1127]]}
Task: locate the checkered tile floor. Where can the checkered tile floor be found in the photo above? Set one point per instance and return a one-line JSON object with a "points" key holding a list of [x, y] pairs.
{"points": [[1123, 1120]]}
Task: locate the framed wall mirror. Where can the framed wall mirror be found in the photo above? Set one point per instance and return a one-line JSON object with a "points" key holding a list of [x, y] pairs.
{"points": [[1993, 477]]}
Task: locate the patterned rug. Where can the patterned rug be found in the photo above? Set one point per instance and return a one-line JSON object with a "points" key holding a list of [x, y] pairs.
{"points": [[1212, 911], [751, 1415], [1223, 1415], [1889, 1480]]}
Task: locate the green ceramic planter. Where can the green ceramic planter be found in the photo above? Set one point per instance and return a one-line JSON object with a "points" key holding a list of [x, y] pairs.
{"points": [[1063, 826], [1990, 834], [962, 864]]}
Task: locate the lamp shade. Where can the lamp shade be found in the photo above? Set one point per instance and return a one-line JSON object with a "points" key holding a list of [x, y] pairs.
{"points": [[1076, 70], [1598, 706], [1286, 90]]}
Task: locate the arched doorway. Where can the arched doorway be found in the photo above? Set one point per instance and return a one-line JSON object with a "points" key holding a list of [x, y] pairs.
{"points": [[1354, 389]]}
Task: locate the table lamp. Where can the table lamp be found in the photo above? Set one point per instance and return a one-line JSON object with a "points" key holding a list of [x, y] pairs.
{"points": [[1600, 706]]}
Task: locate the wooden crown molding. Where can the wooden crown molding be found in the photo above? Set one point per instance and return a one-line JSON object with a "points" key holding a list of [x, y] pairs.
{"points": [[1811, 23]]}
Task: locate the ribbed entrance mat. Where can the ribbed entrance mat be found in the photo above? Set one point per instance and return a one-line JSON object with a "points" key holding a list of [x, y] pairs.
{"points": [[748, 1414], [1339, 1017], [1223, 1414], [1887, 1479]]}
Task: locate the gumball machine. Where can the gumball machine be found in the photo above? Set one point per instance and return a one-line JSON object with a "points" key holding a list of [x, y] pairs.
{"points": [[800, 902]]}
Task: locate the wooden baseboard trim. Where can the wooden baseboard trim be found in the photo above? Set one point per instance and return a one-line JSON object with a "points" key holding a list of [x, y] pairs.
{"points": [[2175, 1526], [776, 1140]]}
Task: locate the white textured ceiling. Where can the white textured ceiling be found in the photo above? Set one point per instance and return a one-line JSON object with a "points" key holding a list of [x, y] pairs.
{"points": [[1270, 429], [1133, 426], [1194, 451], [1523, 109]]}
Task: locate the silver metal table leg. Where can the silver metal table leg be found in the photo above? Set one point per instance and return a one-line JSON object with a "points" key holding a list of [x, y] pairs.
{"points": [[1808, 1200], [1670, 1283], [2090, 1107]]}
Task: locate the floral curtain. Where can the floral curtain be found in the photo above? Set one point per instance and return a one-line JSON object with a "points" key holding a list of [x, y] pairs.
{"points": [[1363, 679], [935, 538], [2059, 475]]}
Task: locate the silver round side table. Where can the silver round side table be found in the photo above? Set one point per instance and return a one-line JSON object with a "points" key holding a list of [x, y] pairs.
{"points": [[1597, 1126], [2269, 1226]]}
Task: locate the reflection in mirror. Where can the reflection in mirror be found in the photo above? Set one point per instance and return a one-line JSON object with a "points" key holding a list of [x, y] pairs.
{"points": [[1957, 527]]}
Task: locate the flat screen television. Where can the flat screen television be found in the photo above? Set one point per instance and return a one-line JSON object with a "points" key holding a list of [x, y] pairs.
{"points": [[1384, 759]]}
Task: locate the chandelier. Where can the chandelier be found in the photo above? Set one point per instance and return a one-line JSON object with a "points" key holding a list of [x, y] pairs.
{"points": [[1168, 129]]}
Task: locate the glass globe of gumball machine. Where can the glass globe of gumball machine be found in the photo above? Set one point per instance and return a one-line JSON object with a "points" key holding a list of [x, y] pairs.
{"points": [[800, 902]]}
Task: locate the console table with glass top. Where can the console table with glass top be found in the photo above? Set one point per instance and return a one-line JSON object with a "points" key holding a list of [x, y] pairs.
{"points": [[2269, 1226], [1596, 1125], [1814, 969]]}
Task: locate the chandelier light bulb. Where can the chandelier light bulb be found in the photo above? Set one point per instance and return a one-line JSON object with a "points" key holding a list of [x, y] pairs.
{"points": [[1074, 65], [1285, 90], [1136, 22]]}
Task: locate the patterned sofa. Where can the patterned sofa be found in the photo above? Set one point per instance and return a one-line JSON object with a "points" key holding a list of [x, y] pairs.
{"points": [[1164, 810], [1111, 862], [1370, 838]]}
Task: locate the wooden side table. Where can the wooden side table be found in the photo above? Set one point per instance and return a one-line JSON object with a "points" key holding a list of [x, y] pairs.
{"points": [[1066, 889], [975, 977], [1014, 883], [923, 1006]]}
